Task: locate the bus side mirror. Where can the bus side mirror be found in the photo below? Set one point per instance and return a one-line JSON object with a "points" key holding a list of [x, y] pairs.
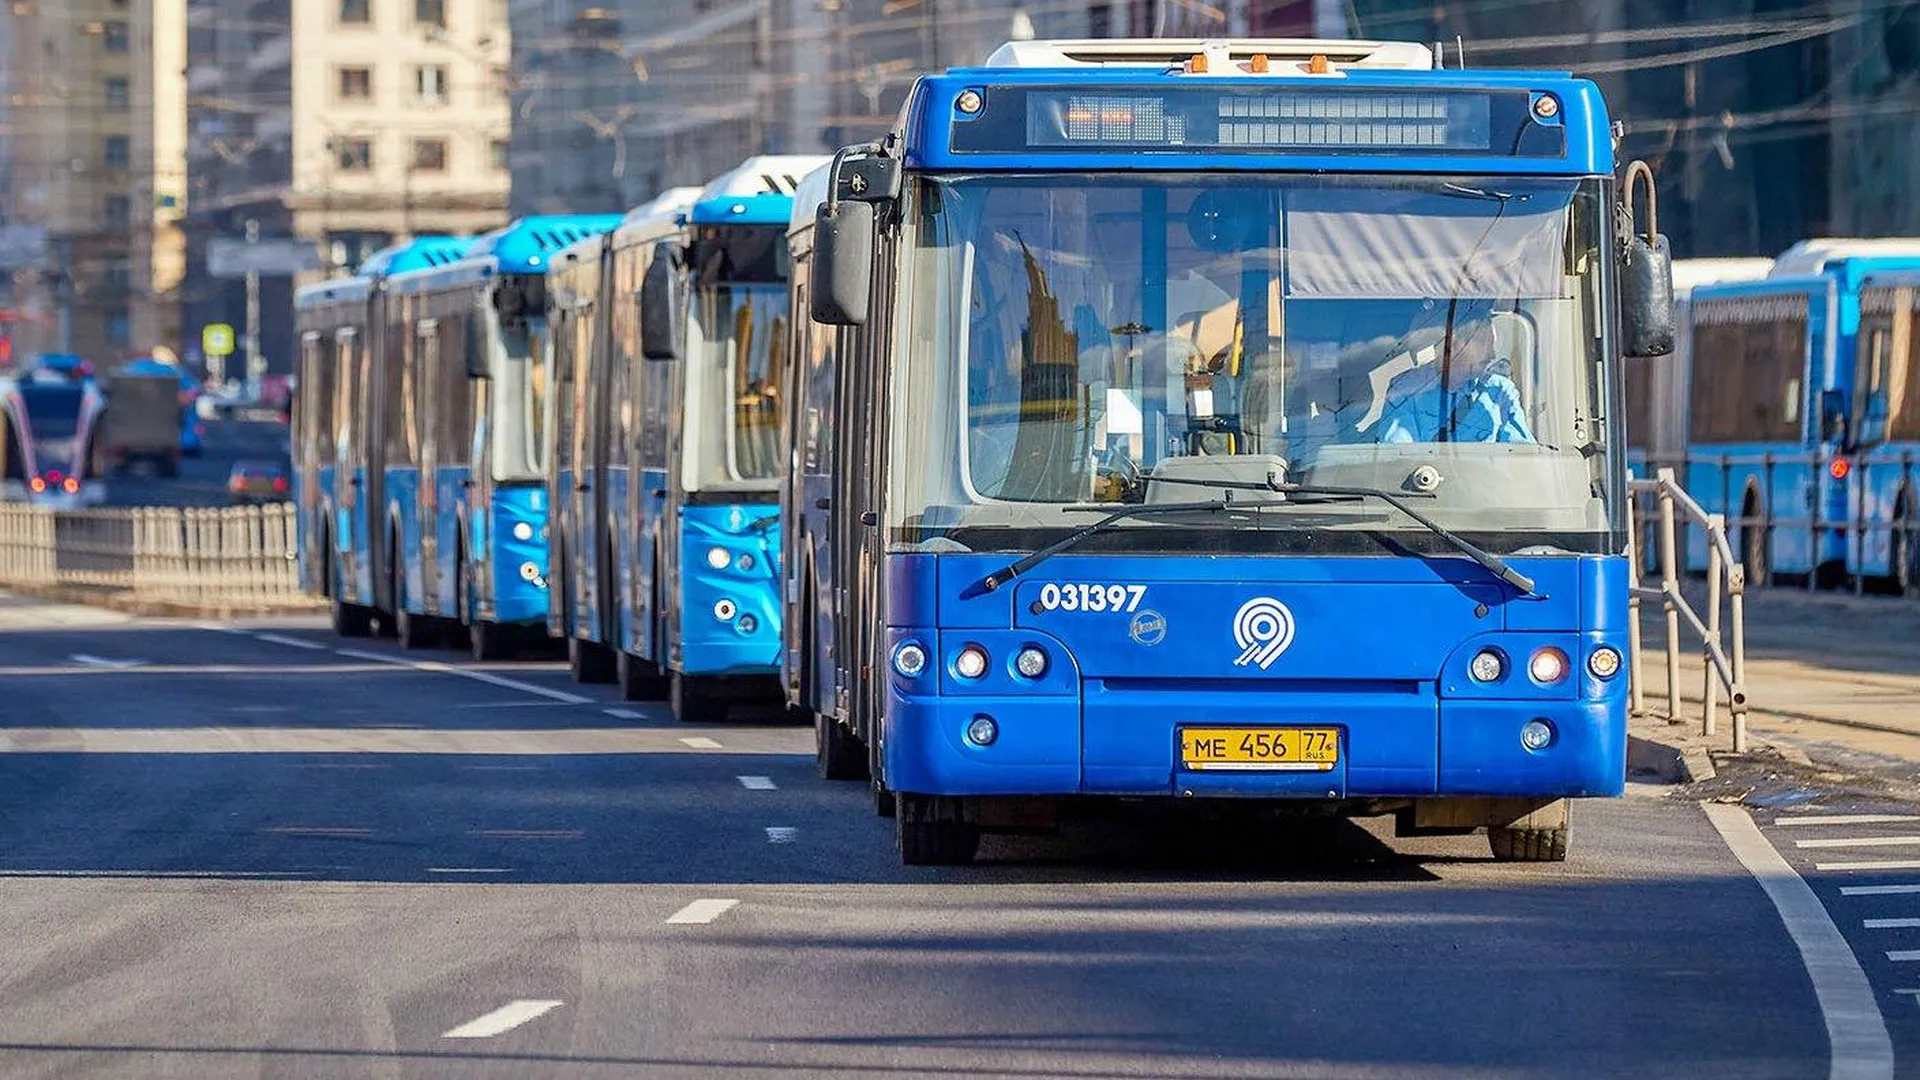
{"points": [[1646, 297], [842, 263], [659, 307], [476, 352]]}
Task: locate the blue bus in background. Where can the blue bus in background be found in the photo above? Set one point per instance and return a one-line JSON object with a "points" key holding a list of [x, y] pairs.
{"points": [[1219, 421], [1778, 409], [1880, 435], [349, 380], [667, 464]]}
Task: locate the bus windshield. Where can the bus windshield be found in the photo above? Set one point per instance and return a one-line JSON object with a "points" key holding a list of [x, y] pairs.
{"points": [[521, 365], [53, 412], [734, 378], [1078, 342]]}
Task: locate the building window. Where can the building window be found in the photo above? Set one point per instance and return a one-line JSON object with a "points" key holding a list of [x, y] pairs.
{"points": [[356, 11], [429, 155], [117, 152], [430, 12], [498, 149], [353, 155], [113, 35], [119, 210], [119, 94], [430, 84], [119, 328], [119, 278], [356, 83]]}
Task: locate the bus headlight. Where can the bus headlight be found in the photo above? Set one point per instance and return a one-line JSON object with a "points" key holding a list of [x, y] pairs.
{"points": [[1487, 666], [971, 663], [1536, 735], [1548, 665], [719, 558], [1604, 662], [724, 609], [747, 624], [522, 530], [910, 659], [982, 731], [1032, 662]]}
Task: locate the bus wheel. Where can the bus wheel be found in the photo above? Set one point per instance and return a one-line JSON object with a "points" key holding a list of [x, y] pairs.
{"points": [[412, 631], [351, 620], [590, 661], [933, 832], [1527, 845], [837, 755], [692, 701], [1754, 548], [1906, 556], [885, 803], [487, 640], [640, 680]]}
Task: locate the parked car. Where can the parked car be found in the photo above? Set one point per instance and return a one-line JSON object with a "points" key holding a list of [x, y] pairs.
{"points": [[255, 482]]}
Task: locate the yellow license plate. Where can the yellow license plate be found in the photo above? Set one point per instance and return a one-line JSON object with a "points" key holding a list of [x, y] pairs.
{"points": [[1311, 749]]}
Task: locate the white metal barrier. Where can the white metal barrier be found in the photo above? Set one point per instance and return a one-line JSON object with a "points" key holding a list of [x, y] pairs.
{"points": [[1723, 648], [243, 556]]}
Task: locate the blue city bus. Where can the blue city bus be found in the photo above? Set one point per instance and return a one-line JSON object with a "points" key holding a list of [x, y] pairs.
{"points": [[1880, 435], [348, 381], [1770, 375], [1219, 421], [671, 495], [465, 486]]}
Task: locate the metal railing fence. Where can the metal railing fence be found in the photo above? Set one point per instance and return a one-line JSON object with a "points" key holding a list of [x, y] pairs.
{"points": [[243, 556], [1723, 645]]}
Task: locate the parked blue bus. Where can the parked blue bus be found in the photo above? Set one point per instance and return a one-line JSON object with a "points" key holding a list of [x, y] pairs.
{"points": [[1227, 421], [667, 468], [1880, 434], [348, 382], [1771, 428]]}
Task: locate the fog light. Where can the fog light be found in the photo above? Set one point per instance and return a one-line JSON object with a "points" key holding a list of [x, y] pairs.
{"points": [[1605, 662], [971, 663], [718, 558], [1032, 662], [982, 731], [910, 659], [1549, 665], [70, 486], [1487, 666], [748, 624], [1537, 735], [725, 610], [746, 561], [529, 572], [522, 531]]}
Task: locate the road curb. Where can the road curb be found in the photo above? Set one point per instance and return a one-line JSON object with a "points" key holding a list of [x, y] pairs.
{"points": [[122, 601], [1667, 763]]}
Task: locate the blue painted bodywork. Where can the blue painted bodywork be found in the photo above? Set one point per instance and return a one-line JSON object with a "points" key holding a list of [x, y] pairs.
{"points": [[709, 646], [516, 595]]}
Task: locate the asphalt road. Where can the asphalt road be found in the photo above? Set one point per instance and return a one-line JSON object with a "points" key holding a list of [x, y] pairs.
{"points": [[203, 480], [252, 850]]}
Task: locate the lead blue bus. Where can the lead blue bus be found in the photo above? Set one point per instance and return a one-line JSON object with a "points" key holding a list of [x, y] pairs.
{"points": [[348, 380], [667, 464], [1219, 421]]}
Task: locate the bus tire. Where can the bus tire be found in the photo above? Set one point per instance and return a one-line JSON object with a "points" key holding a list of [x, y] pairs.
{"points": [[837, 754], [410, 631], [692, 701], [639, 679], [351, 620], [488, 640], [1754, 547], [932, 831], [1527, 845], [590, 661], [1904, 559], [885, 804]]}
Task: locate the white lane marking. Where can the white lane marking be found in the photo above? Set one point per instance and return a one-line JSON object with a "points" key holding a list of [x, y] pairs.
{"points": [[468, 673], [701, 742], [529, 834], [1858, 841], [1856, 1032], [158, 873], [781, 834], [102, 662], [623, 714], [1890, 924], [503, 1019], [1879, 890], [316, 830], [294, 642], [1846, 819], [1876, 864], [468, 870], [756, 783], [701, 911], [504, 768], [1904, 955]]}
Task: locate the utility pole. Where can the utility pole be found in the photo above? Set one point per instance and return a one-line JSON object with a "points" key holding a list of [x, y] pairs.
{"points": [[254, 364]]}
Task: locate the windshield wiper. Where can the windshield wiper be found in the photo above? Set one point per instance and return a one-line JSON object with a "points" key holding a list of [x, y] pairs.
{"points": [[1027, 562]]}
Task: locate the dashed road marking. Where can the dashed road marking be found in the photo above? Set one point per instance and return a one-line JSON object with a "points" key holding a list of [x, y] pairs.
{"points": [[701, 742], [1846, 819], [623, 714], [1904, 955], [293, 642], [701, 911], [756, 783], [503, 1019], [1879, 890], [781, 834], [528, 834], [316, 830], [1890, 924], [1872, 864], [468, 870], [103, 662], [468, 673], [1856, 1031], [1858, 841]]}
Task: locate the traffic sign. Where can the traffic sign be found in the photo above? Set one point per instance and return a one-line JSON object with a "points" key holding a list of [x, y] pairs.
{"points": [[216, 339]]}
